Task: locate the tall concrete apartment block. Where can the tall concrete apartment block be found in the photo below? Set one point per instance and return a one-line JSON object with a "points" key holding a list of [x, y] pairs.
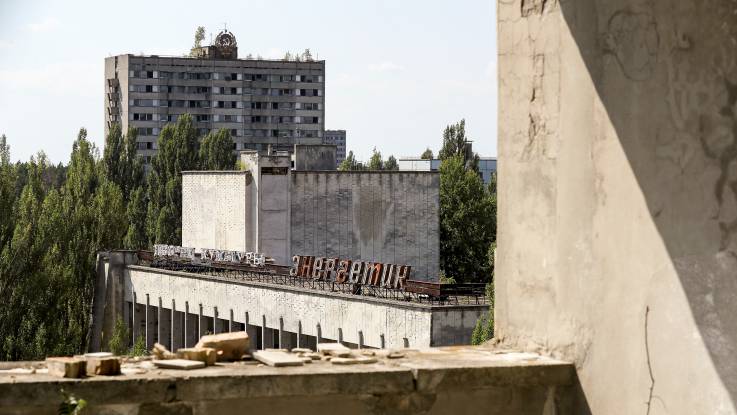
{"points": [[336, 137], [264, 103]]}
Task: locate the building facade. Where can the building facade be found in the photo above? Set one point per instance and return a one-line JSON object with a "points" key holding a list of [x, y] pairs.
{"points": [[265, 104], [384, 216], [337, 138], [487, 166]]}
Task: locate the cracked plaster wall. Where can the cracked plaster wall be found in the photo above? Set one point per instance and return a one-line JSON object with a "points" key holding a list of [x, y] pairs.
{"points": [[618, 194]]}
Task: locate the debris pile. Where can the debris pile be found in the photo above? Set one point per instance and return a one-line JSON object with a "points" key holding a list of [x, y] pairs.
{"points": [[211, 350]]}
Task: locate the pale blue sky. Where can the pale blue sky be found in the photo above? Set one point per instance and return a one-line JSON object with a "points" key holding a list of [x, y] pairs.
{"points": [[397, 72]]}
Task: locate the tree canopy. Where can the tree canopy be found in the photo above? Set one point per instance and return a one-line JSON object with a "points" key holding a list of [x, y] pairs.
{"points": [[467, 222], [216, 151]]}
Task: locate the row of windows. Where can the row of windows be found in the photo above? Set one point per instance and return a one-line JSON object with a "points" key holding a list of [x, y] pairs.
{"points": [[229, 118], [235, 132], [224, 76], [276, 92], [180, 103]]}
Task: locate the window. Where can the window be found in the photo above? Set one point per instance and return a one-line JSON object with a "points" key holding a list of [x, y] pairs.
{"points": [[143, 117], [256, 118]]}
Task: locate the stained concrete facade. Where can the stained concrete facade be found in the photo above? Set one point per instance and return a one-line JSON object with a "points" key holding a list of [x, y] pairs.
{"points": [[389, 217], [617, 244]]}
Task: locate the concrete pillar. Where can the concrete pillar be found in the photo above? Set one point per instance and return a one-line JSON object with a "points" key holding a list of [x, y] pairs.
{"points": [[172, 316], [199, 323], [299, 333], [186, 317], [214, 320], [281, 332], [149, 338], [158, 321], [230, 321], [108, 303], [263, 332], [134, 322]]}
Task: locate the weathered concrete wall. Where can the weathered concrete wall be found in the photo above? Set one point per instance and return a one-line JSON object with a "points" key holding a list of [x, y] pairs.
{"points": [[339, 315], [433, 381], [618, 197], [389, 217], [315, 157], [214, 209]]}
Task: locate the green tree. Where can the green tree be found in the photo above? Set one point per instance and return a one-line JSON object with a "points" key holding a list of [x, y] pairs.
{"points": [[350, 163], [178, 151], [112, 155], [199, 36], [216, 151], [21, 286], [391, 164], [467, 222], [375, 162], [455, 143], [7, 193], [427, 154], [135, 236]]}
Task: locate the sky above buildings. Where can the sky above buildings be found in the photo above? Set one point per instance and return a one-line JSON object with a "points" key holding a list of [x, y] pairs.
{"points": [[397, 71]]}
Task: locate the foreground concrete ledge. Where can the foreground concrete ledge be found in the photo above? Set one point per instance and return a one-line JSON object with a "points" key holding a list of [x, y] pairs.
{"points": [[425, 372]]}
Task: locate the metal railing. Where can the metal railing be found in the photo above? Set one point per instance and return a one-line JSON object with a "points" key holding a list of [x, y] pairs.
{"points": [[421, 292]]}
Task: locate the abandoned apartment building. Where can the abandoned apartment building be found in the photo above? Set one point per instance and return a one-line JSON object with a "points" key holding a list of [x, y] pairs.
{"points": [[264, 103]]}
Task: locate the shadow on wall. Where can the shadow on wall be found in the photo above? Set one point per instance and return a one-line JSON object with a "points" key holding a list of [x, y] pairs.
{"points": [[666, 75]]}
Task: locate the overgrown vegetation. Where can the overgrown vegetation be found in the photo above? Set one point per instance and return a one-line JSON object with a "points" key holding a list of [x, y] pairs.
{"points": [[56, 218], [118, 343]]}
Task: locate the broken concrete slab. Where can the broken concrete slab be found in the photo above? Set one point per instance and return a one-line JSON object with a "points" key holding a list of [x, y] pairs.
{"points": [[201, 354], [66, 367], [180, 364], [229, 346], [277, 358], [160, 352], [334, 349]]}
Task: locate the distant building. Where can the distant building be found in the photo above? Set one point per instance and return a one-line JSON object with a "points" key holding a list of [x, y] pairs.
{"points": [[336, 137], [487, 166], [264, 103]]}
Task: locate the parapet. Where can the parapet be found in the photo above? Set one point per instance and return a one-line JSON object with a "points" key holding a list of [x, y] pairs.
{"points": [[456, 380]]}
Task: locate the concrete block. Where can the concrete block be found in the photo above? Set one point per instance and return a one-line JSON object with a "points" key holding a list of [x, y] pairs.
{"points": [[333, 349], [229, 346], [102, 365], [200, 354], [66, 367]]}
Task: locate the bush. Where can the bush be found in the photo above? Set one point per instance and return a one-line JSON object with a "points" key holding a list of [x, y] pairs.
{"points": [[484, 329], [118, 343], [139, 347]]}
